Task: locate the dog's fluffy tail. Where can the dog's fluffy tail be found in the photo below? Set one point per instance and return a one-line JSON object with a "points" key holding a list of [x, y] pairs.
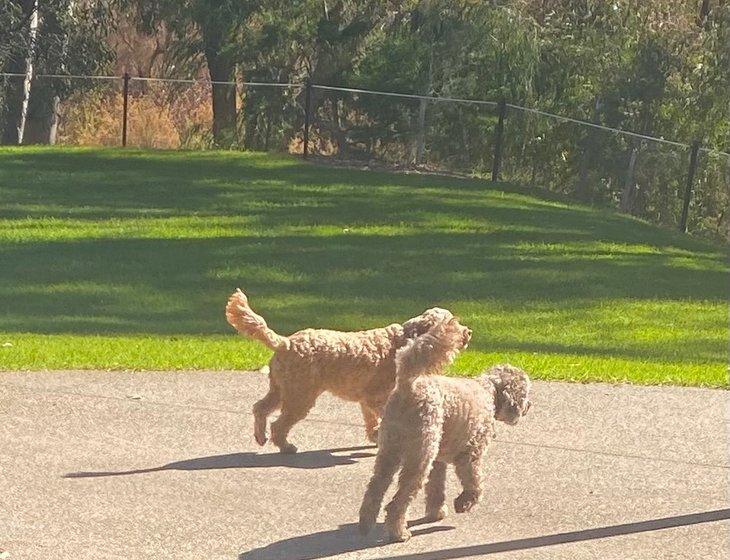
{"points": [[242, 318], [431, 352]]}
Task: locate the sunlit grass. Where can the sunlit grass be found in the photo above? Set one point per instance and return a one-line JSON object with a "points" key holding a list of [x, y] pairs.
{"points": [[124, 259]]}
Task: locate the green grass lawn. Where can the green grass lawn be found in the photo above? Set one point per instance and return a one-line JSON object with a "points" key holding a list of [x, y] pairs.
{"points": [[124, 259]]}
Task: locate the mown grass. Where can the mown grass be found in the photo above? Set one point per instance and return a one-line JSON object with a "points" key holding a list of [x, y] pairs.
{"points": [[124, 259]]}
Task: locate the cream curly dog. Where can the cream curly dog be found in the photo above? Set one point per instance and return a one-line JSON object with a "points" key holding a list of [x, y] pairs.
{"points": [[355, 366], [430, 421]]}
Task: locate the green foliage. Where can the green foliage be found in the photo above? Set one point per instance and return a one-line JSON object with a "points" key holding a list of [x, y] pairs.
{"points": [[201, 27], [70, 35], [70, 39], [124, 259], [650, 67], [14, 17], [643, 66]]}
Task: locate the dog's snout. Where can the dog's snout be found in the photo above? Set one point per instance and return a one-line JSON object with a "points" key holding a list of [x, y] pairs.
{"points": [[466, 337]]}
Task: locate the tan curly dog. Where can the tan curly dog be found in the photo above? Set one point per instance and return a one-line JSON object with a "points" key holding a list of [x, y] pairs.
{"points": [[431, 421], [355, 366]]}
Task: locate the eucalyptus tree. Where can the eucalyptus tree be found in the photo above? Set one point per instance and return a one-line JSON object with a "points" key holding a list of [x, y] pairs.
{"points": [[15, 46], [47, 37], [70, 40], [321, 40], [205, 33]]}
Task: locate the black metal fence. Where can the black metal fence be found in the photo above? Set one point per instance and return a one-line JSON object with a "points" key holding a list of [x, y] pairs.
{"points": [[672, 183]]}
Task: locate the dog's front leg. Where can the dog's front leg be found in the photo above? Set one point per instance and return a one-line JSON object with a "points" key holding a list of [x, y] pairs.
{"points": [[386, 465], [469, 471], [436, 509], [372, 421], [296, 402], [416, 466]]}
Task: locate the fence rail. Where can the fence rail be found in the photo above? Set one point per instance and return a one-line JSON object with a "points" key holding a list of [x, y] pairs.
{"points": [[407, 95], [432, 98], [443, 132], [599, 126]]}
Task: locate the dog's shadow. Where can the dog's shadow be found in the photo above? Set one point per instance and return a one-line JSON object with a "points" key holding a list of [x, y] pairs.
{"points": [[320, 459], [324, 544]]}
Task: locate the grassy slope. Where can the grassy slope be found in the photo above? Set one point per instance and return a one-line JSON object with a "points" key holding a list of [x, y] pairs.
{"points": [[116, 259]]}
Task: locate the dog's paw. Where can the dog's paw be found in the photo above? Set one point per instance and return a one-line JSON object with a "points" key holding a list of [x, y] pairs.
{"points": [[465, 501], [260, 439], [288, 449], [372, 436], [398, 534], [365, 525], [368, 516], [437, 515]]}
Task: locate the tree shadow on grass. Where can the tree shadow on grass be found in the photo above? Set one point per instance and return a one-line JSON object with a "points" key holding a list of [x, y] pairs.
{"points": [[108, 183], [169, 286], [319, 459], [453, 241], [174, 287]]}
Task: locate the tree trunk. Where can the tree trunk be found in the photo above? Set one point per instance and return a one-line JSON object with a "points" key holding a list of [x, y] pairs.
{"points": [[422, 106], [339, 135], [28, 82], [13, 105], [589, 148], [224, 98], [41, 115], [11, 114], [420, 132], [704, 12], [533, 171], [41, 121], [629, 191]]}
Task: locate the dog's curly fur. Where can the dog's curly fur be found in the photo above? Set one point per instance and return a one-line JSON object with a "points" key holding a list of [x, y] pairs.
{"points": [[431, 421], [355, 366]]}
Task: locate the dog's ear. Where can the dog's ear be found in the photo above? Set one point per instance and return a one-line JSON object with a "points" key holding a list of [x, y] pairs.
{"points": [[427, 320], [430, 352], [512, 392]]}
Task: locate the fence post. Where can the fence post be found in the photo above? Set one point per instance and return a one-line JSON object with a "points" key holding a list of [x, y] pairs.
{"points": [[307, 109], [693, 158], [498, 136], [125, 107]]}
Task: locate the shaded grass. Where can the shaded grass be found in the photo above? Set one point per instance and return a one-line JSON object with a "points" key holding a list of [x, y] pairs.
{"points": [[124, 259]]}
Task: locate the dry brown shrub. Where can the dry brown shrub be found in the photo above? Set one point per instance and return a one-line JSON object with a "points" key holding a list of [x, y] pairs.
{"points": [[319, 143], [95, 119], [191, 109]]}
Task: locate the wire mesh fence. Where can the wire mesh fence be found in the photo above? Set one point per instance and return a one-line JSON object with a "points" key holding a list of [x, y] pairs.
{"points": [[78, 110], [171, 114], [439, 134], [635, 174], [652, 178]]}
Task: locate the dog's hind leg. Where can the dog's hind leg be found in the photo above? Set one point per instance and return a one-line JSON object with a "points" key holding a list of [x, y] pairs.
{"points": [[296, 402], [262, 409], [436, 509], [469, 471], [372, 419], [417, 464], [386, 465]]}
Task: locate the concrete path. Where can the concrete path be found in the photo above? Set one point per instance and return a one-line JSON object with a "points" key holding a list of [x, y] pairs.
{"points": [[97, 465]]}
